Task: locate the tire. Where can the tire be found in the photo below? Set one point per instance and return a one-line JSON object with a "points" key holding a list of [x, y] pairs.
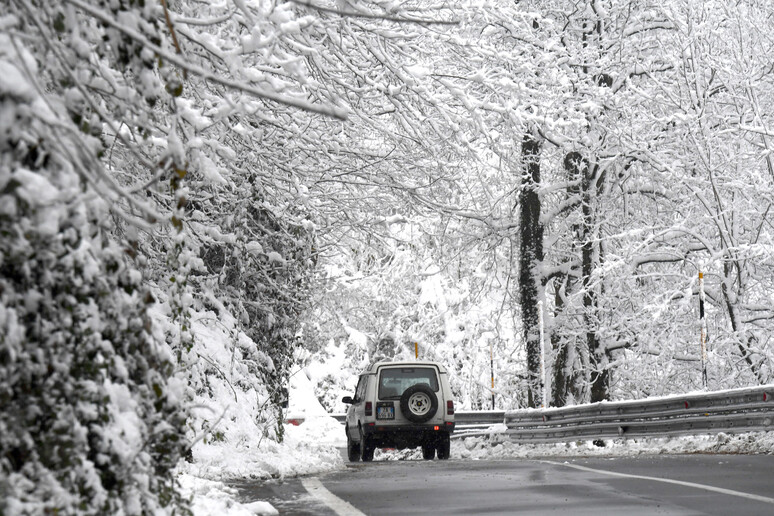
{"points": [[444, 447], [353, 449], [366, 448], [428, 451], [419, 403]]}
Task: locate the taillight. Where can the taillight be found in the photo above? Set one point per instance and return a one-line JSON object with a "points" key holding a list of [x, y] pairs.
{"points": [[450, 407], [369, 409]]}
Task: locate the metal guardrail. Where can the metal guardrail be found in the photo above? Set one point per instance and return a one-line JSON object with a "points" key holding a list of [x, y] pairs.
{"points": [[743, 410], [476, 422]]}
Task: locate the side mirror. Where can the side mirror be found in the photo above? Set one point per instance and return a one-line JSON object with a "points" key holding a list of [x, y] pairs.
{"points": [[348, 400]]}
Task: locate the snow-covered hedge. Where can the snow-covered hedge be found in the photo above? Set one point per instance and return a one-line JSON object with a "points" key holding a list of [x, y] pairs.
{"points": [[90, 415]]}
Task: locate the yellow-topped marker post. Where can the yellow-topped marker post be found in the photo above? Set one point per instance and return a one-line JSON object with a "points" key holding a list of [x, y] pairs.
{"points": [[703, 322]]}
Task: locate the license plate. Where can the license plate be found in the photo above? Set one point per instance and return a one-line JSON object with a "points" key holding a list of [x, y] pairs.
{"points": [[386, 411]]}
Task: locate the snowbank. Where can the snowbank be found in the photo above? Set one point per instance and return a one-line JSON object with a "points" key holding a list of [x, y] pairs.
{"points": [[487, 448], [211, 497], [235, 437]]}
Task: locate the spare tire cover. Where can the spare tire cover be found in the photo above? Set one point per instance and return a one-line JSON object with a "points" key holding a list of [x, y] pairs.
{"points": [[419, 403]]}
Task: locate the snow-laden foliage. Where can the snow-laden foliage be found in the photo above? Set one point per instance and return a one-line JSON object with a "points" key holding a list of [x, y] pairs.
{"points": [[92, 420], [414, 173], [653, 120], [213, 134]]}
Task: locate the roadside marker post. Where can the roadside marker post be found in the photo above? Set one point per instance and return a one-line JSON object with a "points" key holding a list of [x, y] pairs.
{"points": [[491, 368], [543, 390], [703, 322]]}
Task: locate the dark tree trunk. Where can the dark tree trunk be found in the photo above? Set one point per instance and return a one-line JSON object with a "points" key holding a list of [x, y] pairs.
{"points": [[562, 379], [578, 168], [744, 348], [600, 380], [569, 382], [530, 256]]}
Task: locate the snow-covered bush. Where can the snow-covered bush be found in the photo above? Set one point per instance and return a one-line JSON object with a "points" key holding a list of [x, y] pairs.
{"points": [[261, 273], [90, 415]]}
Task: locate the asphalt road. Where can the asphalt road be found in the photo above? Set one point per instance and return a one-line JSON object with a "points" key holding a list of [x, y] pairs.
{"points": [[645, 485]]}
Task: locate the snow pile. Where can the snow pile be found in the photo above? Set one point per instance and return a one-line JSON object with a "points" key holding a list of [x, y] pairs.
{"points": [[303, 402], [236, 435], [211, 497], [263, 458], [488, 448]]}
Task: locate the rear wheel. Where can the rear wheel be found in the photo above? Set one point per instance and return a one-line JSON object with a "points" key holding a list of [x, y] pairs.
{"points": [[353, 449], [366, 448], [444, 447], [428, 451]]}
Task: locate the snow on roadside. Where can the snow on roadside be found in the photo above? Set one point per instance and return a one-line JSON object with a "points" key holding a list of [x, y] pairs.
{"points": [[212, 497], [488, 447], [234, 438], [308, 448], [236, 444]]}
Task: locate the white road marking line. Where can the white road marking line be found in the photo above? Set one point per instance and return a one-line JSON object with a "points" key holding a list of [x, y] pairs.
{"points": [[667, 481], [336, 504]]}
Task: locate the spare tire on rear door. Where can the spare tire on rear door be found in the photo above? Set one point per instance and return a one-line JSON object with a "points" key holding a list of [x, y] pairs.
{"points": [[419, 403]]}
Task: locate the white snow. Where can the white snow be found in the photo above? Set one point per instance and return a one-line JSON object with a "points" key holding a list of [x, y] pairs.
{"points": [[12, 81], [37, 191], [313, 442], [125, 435], [212, 497], [489, 447], [418, 71], [254, 248], [303, 402], [231, 444], [275, 257]]}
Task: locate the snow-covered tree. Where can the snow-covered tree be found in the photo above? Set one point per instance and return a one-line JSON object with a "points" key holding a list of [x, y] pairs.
{"points": [[92, 418]]}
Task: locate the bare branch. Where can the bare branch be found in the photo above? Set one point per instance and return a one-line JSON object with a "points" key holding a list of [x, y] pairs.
{"points": [[355, 14]]}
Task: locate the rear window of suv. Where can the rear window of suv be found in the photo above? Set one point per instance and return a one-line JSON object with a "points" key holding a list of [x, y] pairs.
{"points": [[393, 381]]}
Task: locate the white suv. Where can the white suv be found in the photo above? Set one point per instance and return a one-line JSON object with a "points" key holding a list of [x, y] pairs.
{"points": [[400, 405]]}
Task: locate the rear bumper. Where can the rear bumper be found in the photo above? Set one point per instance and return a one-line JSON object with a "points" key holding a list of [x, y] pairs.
{"points": [[406, 436]]}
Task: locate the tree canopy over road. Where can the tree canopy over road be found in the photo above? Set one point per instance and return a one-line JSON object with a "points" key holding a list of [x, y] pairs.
{"points": [[364, 175]]}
